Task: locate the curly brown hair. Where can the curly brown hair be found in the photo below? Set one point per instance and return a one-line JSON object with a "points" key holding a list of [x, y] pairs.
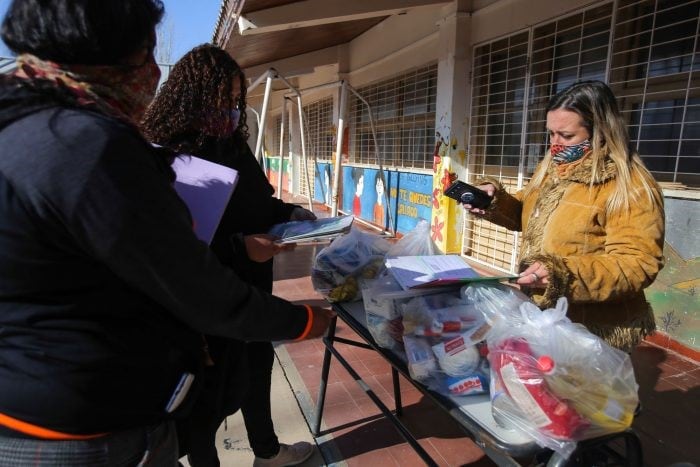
{"points": [[199, 84]]}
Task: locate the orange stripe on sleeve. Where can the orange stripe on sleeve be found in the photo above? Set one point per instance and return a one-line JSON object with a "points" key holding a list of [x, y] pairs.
{"points": [[309, 322], [39, 432]]}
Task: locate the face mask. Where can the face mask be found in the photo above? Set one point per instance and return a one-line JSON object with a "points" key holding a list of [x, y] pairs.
{"points": [[235, 117], [216, 124], [562, 154]]}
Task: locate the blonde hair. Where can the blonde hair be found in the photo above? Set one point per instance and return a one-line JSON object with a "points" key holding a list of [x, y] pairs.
{"points": [[595, 103]]}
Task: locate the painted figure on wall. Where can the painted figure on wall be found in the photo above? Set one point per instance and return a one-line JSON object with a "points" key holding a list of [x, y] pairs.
{"points": [[358, 175], [379, 211]]}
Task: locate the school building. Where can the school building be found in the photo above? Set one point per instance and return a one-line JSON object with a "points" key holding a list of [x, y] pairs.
{"points": [[367, 106]]}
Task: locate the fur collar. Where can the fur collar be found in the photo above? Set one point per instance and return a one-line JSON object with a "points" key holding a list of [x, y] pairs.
{"points": [[582, 171]]}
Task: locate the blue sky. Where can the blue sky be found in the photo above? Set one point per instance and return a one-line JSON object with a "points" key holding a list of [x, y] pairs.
{"points": [[191, 21]]}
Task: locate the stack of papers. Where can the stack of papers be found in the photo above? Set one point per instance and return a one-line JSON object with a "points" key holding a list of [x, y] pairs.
{"points": [[296, 231], [412, 272]]}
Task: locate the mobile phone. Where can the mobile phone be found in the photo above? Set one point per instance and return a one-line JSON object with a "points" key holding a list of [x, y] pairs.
{"points": [[468, 194]]}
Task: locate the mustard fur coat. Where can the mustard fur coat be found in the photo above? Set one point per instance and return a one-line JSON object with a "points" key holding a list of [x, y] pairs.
{"points": [[600, 260]]}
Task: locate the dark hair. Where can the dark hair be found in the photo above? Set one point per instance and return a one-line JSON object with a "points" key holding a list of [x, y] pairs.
{"points": [[379, 176], [202, 80], [357, 173], [84, 32]]}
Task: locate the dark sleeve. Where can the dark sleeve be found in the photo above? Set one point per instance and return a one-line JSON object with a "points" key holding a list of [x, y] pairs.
{"points": [[130, 218]]}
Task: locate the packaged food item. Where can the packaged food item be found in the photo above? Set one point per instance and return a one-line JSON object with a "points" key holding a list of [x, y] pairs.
{"points": [[467, 385], [565, 383], [387, 333], [421, 361], [457, 356], [339, 268], [522, 377]]}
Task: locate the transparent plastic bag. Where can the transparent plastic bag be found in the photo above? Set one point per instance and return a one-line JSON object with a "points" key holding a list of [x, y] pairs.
{"points": [[339, 268], [417, 242], [387, 333], [444, 328], [565, 383], [442, 313]]}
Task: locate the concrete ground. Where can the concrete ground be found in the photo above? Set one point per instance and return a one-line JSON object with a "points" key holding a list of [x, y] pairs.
{"points": [[290, 424]]}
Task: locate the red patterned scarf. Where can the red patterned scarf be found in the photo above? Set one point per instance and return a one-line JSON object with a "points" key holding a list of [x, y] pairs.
{"points": [[122, 91]]}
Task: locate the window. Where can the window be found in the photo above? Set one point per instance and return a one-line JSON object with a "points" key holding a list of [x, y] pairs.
{"points": [[404, 117], [655, 73], [276, 131], [319, 128]]}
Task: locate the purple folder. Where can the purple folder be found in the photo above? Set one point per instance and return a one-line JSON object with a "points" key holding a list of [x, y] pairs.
{"points": [[206, 188]]}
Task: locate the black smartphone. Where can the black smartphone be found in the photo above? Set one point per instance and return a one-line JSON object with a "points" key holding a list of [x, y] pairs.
{"points": [[467, 194]]}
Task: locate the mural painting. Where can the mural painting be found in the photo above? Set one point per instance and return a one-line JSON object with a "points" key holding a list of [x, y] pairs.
{"points": [[273, 172], [410, 197], [675, 295]]}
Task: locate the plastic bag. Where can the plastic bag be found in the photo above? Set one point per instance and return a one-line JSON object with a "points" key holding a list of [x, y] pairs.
{"points": [[340, 267], [383, 296], [441, 331], [417, 242], [552, 379]]}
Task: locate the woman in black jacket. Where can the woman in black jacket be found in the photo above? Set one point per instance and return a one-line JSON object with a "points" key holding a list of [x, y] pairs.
{"points": [[200, 110], [105, 290]]}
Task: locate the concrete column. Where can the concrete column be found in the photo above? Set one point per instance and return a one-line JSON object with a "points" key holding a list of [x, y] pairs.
{"points": [[295, 147], [451, 122]]}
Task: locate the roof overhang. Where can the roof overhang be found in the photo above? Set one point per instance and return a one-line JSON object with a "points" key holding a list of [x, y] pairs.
{"points": [[271, 30]]}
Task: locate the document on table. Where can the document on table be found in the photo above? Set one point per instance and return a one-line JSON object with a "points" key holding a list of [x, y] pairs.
{"points": [[413, 272]]}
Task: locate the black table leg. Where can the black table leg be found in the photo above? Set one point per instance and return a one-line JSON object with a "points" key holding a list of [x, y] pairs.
{"points": [[397, 391], [328, 341]]}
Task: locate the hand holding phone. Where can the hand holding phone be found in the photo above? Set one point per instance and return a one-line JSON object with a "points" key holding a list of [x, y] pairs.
{"points": [[468, 194]]}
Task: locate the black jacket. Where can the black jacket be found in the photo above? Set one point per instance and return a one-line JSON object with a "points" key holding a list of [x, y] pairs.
{"points": [[102, 280], [252, 209]]}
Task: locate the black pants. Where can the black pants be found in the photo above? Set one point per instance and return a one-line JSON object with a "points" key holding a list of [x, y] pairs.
{"points": [[256, 403], [221, 394], [241, 378]]}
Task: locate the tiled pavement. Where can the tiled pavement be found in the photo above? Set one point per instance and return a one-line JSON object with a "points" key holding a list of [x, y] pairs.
{"points": [[356, 434]]}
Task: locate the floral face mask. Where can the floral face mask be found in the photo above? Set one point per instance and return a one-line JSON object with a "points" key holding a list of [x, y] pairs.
{"points": [[563, 154]]}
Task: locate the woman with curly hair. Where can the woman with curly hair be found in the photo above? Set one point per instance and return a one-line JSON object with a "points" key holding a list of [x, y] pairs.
{"points": [[592, 218], [200, 110]]}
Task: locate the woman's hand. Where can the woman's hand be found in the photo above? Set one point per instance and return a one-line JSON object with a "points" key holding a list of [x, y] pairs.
{"points": [[301, 214], [490, 190], [262, 247], [535, 276]]}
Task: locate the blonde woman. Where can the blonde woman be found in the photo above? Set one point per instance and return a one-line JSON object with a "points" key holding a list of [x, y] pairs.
{"points": [[592, 218]]}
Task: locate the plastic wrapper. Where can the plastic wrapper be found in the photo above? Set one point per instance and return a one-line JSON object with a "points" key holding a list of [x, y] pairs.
{"points": [[417, 242], [340, 268], [421, 360], [383, 299], [387, 333], [445, 313], [383, 296], [441, 332], [552, 379], [462, 367]]}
